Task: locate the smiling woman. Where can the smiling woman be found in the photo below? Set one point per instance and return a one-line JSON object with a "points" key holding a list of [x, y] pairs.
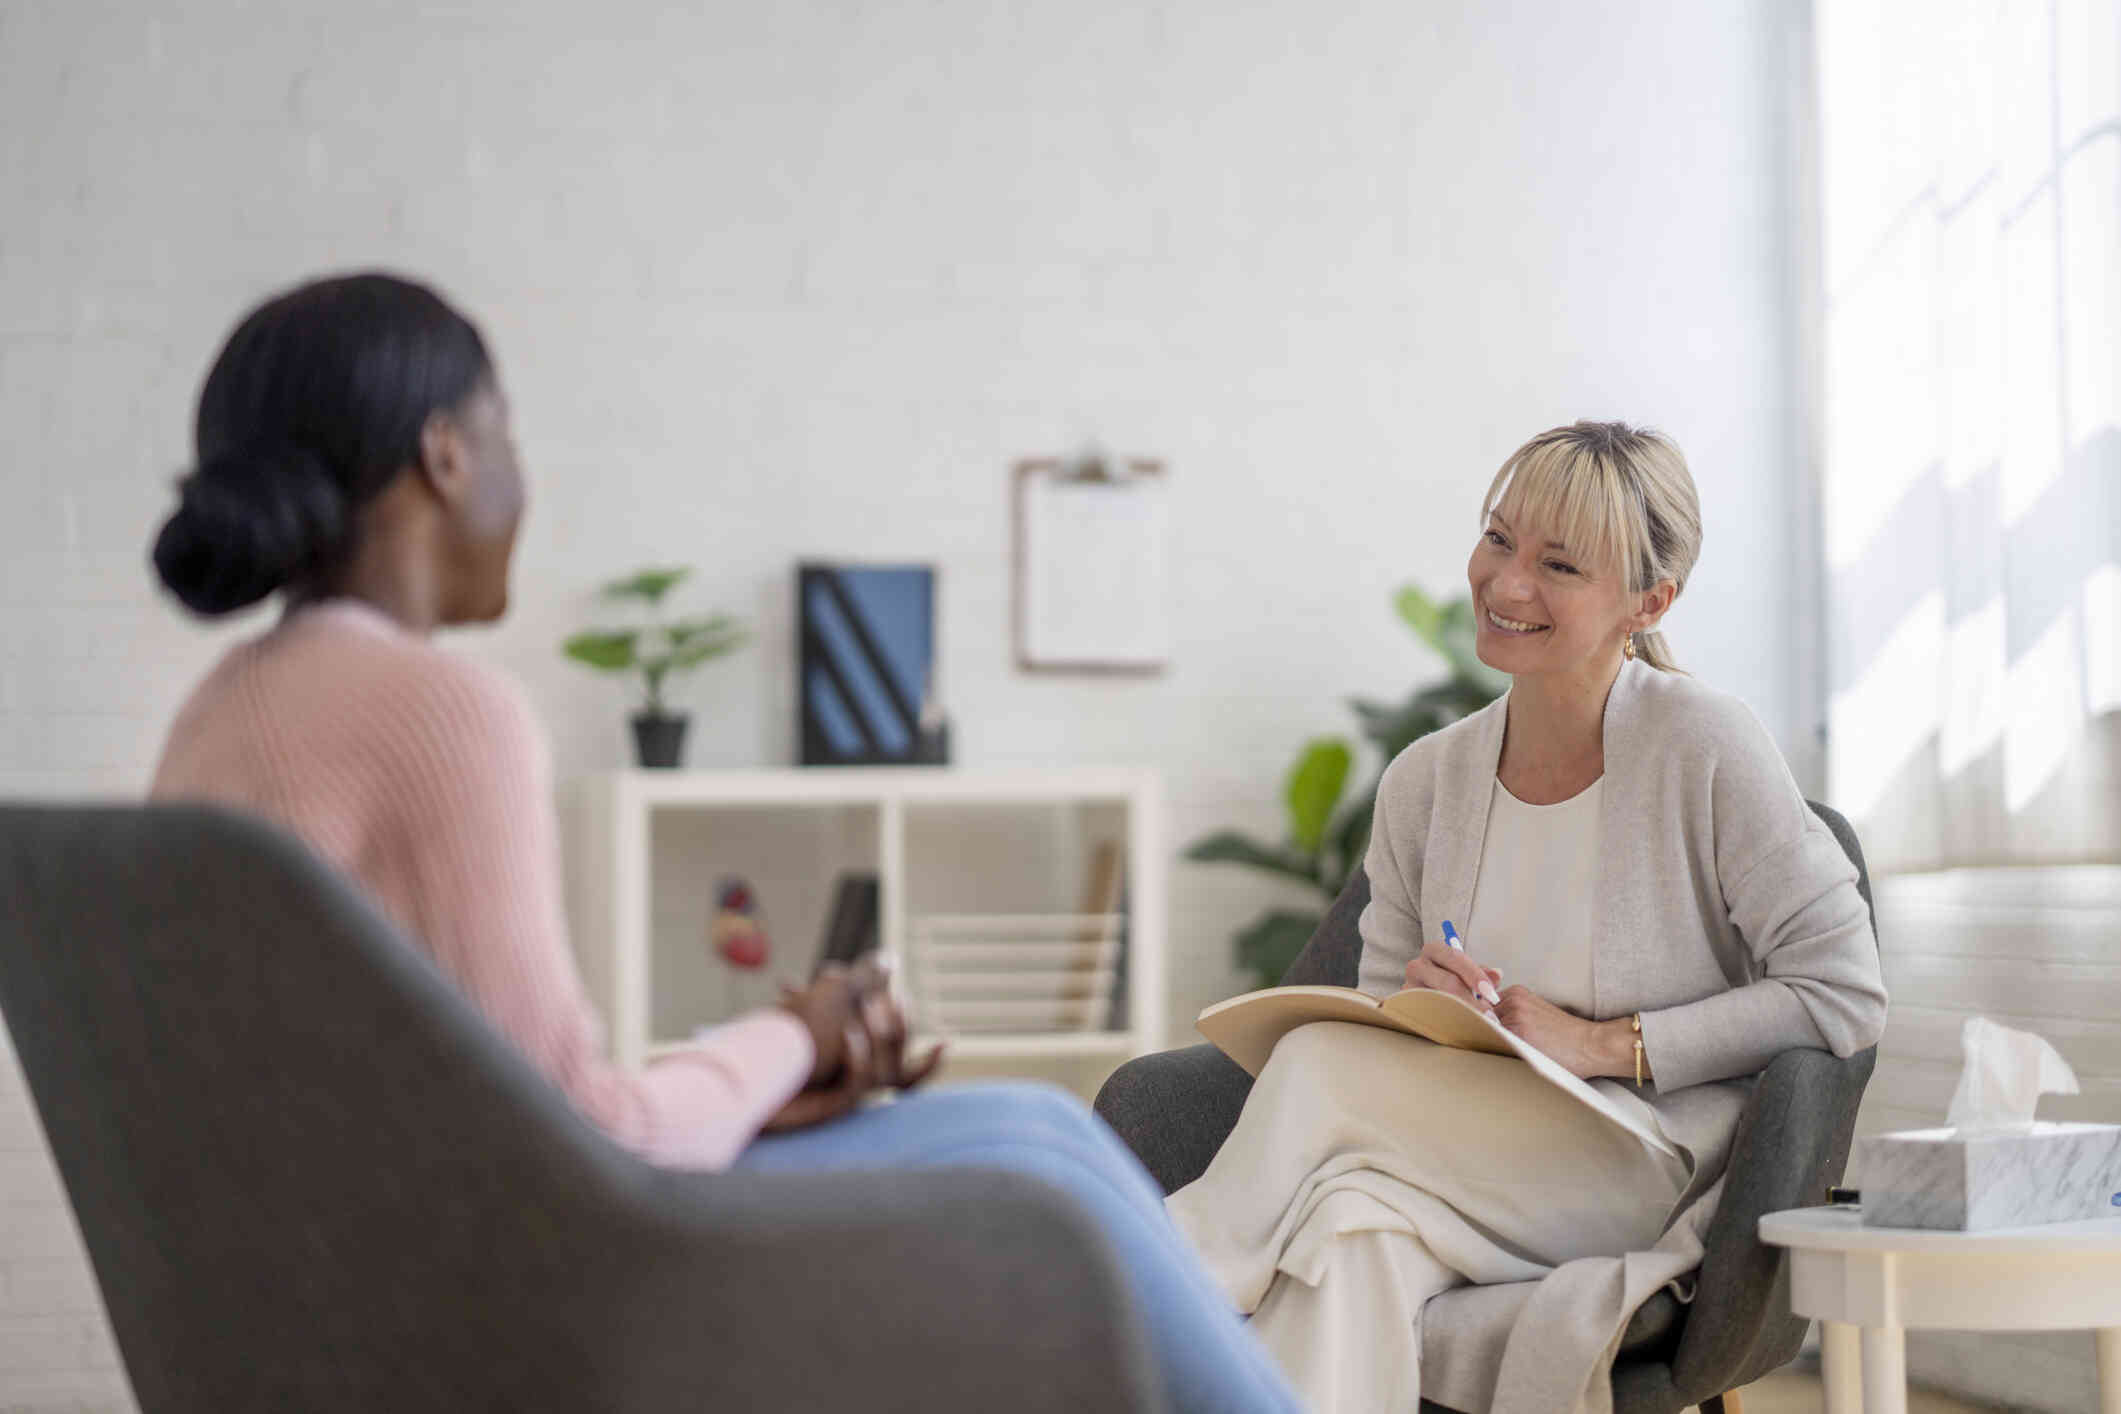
{"points": [[1625, 847], [1579, 521]]}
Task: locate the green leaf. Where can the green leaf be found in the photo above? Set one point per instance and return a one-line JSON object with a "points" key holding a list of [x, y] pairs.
{"points": [[1423, 614], [1449, 628], [1458, 634], [694, 652], [1271, 943], [1230, 847], [1454, 638], [694, 641], [683, 631], [1313, 789], [609, 652], [650, 585]]}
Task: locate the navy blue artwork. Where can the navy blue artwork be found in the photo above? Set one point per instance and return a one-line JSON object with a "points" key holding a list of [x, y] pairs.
{"points": [[866, 665]]}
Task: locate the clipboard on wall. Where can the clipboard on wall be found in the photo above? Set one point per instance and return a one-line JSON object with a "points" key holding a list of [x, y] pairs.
{"points": [[1093, 566]]}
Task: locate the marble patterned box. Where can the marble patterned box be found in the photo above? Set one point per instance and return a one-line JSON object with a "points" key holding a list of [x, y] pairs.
{"points": [[1939, 1178]]}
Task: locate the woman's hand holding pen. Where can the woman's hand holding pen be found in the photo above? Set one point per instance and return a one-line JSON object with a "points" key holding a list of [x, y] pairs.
{"points": [[859, 1035], [1442, 968], [1587, 1049]]}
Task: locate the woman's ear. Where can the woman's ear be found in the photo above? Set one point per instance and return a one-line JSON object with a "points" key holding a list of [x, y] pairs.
{"points": [[1652, 605], [444, 461]]}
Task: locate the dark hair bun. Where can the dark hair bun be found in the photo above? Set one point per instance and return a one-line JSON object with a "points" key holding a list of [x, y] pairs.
{"points": [[251, 520]]}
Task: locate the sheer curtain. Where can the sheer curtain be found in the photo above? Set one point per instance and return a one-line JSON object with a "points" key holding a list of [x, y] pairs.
{"points": [[1970, 160]]}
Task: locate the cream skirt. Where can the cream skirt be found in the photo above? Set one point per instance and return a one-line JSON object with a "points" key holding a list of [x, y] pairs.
{"points": [[1369, 1172]]}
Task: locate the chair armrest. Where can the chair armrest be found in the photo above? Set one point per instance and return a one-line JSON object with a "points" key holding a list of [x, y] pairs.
{"points": [[1174, 1109], [951, 1288], [1792, 1141]]}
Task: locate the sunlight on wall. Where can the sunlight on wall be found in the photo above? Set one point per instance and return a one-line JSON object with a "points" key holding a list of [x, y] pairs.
{"points": [[1970, 155], [1973, 715], [1879, 709], [2102, 639], [2091, 269], [2045, 706], [2032, 440]]}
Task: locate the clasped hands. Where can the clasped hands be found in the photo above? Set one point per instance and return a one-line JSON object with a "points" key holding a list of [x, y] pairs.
{"points": [[1586, 1049], [859, 1035]]}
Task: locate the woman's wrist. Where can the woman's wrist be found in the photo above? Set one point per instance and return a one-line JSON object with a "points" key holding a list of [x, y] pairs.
{"points": [[1615, 1048]]}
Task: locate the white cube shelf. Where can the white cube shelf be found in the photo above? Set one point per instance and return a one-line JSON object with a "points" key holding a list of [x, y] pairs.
{"points": [[968, 857]]}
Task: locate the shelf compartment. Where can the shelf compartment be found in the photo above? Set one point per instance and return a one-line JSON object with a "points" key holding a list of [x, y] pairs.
{"points": [[644, 849], [1019, 973]]}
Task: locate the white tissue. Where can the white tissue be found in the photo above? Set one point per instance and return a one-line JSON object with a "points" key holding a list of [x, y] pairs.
{"points": [[2005, 1075]]}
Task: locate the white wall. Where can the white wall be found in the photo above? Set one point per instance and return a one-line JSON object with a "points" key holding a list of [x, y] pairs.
{"points": [[802, 279]]}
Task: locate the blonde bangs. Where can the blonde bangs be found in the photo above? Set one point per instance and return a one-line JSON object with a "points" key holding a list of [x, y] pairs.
{"points": [[1576, 496]]}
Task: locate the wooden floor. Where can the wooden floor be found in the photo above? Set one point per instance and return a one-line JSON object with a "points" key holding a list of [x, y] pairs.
{"points": [[1793, 1392]]}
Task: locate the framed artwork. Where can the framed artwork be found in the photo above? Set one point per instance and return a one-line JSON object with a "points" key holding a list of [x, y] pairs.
{"points": [[865, 666]]}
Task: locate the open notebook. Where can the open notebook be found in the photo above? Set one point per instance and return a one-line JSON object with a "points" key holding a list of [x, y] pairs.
{"points": [[1246, 1029]]}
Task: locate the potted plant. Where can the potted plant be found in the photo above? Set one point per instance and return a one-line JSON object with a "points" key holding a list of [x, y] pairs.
{"points": [[1326, 836], [656, 650]]}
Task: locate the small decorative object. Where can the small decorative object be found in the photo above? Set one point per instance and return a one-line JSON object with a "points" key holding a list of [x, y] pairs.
{"points": [[866, 666], [656, 650], [738, 932], [1328, 837]]}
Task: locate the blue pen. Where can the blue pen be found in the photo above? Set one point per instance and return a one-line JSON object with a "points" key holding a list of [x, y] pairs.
{"points": [[1486, 990]]}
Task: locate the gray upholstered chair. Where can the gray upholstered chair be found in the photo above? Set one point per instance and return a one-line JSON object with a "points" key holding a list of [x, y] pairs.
{"points": [[1175, 1110], [311, 1177]]}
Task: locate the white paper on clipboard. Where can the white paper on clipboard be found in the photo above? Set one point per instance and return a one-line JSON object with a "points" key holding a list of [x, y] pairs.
{"points": [[1093, 573]]}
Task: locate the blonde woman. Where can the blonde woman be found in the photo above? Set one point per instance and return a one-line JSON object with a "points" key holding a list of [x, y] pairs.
{"points": [[1642, 894]]}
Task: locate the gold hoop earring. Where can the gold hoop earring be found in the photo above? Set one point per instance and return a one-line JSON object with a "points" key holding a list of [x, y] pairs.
{"points": [[1627, 646]]}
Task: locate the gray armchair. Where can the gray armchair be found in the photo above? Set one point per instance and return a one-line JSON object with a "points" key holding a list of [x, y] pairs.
{"points": [[1175, 1110], [310, 1176]]}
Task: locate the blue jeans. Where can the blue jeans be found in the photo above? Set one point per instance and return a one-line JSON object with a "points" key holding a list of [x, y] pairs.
{"points": [[1207, 1359]]}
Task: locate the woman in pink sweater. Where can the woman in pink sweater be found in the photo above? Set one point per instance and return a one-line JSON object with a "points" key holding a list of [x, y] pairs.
{"points": [[354, 455]]}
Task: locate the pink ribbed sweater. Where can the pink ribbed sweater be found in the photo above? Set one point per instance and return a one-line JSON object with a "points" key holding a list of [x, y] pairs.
{"points": [[427, 778]]}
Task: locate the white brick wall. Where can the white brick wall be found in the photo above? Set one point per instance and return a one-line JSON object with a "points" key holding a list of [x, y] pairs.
{"points": [[2031, 948], [801, 279]]}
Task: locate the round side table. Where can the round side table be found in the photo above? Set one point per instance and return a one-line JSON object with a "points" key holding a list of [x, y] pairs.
{"points": [[1886, 1281]]}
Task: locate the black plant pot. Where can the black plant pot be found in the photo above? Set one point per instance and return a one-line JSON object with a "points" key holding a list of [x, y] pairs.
{"points": [[658, 738]]}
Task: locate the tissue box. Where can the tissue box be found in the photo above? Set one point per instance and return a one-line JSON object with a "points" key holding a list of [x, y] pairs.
{"points": [[1940, 1178]]}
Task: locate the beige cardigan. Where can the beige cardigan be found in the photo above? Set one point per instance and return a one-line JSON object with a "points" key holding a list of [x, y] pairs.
{"points": [[1727, 915]]}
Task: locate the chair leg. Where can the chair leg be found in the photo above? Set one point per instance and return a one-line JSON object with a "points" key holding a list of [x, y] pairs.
{"points": [[1726, 1403]]}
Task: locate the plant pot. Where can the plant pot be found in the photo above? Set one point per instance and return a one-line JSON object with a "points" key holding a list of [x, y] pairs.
{"points": [[659, 738]]}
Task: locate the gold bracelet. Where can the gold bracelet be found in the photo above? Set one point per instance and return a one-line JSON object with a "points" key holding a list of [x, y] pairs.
{"points": [[1637, 1024]]}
